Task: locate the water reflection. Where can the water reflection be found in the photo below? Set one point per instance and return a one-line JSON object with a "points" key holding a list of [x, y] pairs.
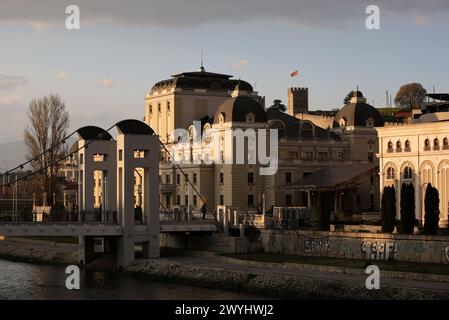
{"points": [[27, 281]]}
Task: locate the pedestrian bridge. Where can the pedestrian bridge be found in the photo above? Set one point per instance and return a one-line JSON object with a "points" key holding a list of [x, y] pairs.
{"points": [[99, 229]]}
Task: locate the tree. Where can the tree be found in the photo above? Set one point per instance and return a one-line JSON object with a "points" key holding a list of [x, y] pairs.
{"points": [[278, 105], [388, 209], [348, 97], [407, 208], [324, 208], [410, 96], [432, 211], [48, 122]]}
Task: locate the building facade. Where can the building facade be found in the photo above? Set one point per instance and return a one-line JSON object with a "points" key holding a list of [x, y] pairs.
{"points": [[417, 153]]}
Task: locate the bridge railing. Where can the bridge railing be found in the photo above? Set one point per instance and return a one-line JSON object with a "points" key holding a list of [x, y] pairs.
{"points": [[95, 216], [184, 214]]}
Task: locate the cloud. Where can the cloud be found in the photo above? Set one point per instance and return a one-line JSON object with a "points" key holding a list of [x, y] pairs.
{"points": [[9, 82], [61, 75], [240, 64], [107, 82], [421, 20], [180, 13], [10, 100]]}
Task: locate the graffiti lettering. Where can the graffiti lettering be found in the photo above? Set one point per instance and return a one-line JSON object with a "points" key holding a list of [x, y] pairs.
{"points": [[380, 250], [317, 246]]}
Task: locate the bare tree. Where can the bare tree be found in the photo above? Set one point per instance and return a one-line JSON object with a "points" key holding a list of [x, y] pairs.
{"points": [[48, 123], [410, 96]]}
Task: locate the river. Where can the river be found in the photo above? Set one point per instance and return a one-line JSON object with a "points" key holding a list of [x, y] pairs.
{"points": [[29, 281]]}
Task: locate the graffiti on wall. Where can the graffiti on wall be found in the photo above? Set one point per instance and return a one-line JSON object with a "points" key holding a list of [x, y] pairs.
{"points": [[314, 246], [380, 250]]}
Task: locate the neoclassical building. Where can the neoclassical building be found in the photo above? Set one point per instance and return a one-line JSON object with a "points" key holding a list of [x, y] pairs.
{"points": [[417, 153], [306, 146]]}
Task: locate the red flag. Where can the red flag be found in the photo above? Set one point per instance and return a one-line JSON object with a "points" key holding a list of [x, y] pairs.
{"points": [[294, 73]]}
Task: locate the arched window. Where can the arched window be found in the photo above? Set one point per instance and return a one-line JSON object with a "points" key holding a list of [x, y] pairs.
{"points": [[407, 146], [436, 144], [445, 144], [398, 146], [408, 173], [390, 173], [390, 146], [306, 130], [427, 145], [280, 126]]}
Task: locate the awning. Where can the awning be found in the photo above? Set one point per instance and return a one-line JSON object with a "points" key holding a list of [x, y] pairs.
{"points": [[333, 178]]}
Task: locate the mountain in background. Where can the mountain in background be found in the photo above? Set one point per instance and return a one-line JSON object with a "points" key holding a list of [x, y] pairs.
{"points": [[12, 154]]}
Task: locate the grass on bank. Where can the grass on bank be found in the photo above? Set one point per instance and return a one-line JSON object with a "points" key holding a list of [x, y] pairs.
{"points": [[427, 268]]}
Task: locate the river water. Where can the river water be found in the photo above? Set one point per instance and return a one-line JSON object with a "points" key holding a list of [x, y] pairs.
{"points": [[29, 281]]}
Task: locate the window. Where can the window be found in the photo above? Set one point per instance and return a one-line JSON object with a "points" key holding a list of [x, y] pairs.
{"points": [[322, 156], [250, 200], [250, 117], [408, 173], [167, 178], [159, 107], [407, 146], [186, 178], [293, 155], [168, 105], [194, 178], [288, 200], [221, 178], [370, 156], [221, 200], [250, 177], [151, 109], [307, 155], [288, 177], [436, 144], [178, 200], [306, 130], [390, 146], [445, 144], [398, 146], [120, 155], [194, 201], [390, 173], [427, 145], [178, 179], [82, 158], [186, 200]]}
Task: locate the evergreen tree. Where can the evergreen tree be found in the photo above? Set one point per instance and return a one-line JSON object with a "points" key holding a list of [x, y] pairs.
{"points": [[432, 211], [407, 208], [388, 209]]}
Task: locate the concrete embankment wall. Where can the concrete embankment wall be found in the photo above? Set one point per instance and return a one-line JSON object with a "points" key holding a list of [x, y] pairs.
{"points": [[364, 246], [274, 285], [30, 250]]}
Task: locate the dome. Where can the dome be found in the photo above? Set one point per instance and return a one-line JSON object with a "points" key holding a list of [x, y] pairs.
{"points": [[358, 113], [237, 108]]}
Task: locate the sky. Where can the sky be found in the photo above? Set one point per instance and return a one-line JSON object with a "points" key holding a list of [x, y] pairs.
{"points": [[104, 70]]}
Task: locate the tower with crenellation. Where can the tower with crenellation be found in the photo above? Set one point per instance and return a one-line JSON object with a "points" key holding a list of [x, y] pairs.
{"points": [[298, 100]]}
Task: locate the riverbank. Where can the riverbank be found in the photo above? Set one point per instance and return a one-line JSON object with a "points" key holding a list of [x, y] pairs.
{"points": [[38, 251], [210, 271]]}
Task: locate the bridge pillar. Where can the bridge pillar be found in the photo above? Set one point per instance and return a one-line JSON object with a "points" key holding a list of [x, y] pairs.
{"points": [[86, 249], [125, 252], [137, 149]]}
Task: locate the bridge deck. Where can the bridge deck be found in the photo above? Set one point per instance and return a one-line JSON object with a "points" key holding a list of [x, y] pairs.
{"points": [[22, 229]]}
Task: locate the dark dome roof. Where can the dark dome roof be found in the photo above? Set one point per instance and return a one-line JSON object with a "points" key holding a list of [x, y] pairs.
{"points": [[93, 133], [132, 126], [235, 109], [357, 113], [201, 80]]}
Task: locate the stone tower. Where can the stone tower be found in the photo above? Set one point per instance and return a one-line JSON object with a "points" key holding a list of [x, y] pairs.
{"points": [[298, 100]]}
